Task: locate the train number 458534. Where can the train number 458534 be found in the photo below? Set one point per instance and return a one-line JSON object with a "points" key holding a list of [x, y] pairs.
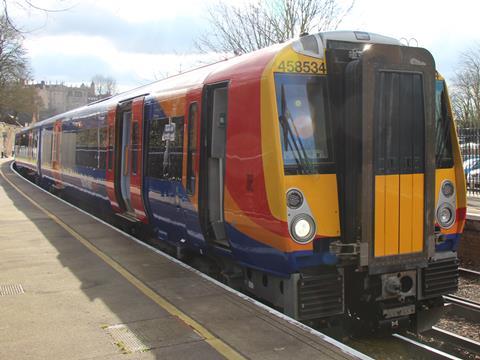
{"points": [[310, 67]]}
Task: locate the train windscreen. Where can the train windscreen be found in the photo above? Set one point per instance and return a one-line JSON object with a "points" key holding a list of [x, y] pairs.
{"points": [[303, 114]]}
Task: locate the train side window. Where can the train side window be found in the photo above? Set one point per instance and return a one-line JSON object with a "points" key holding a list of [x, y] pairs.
{"points": [[30, 144], [156, 148], [87, 147], [102, 147], [191, 147], [67, 145], [135, 144], [35, 145], [165, 148], [176, 150], [23, 145], [110, 146], [47, 139]]}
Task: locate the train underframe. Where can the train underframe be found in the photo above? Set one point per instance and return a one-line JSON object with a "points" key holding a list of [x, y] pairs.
{"points": [[356, 300], [332, 297]]}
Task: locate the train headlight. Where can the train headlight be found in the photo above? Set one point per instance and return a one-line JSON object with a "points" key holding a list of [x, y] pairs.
{"points": [[303, 229], [448, 189], [294, 199], [445, 215]]}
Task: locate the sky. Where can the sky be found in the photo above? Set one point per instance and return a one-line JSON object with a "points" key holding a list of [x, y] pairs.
{"points": [[137, 42]]}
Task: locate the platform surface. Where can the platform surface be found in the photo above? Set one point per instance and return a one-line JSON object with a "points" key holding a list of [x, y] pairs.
{"points": [[72, 287]]}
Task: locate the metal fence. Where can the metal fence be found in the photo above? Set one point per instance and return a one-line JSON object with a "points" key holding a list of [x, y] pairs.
{"points": [[469, 139]]}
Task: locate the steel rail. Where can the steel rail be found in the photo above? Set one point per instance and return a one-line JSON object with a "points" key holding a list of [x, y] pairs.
{"points": [[469, 272], [455, 340], [424, 349], [456, 305]]}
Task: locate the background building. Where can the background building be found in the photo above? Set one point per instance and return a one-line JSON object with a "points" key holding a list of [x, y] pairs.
{"points": [[58, 98], [7, 136]]}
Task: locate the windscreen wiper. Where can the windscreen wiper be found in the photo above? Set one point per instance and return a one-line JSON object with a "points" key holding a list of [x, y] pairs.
{"points": [[301, 157]]}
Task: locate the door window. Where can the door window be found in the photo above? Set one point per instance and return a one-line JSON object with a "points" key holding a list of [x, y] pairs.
{"points": [[192, 147], [135, 147]]}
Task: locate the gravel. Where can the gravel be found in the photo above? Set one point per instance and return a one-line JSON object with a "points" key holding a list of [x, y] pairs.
{"points": [[469, 287], [460, 326]]}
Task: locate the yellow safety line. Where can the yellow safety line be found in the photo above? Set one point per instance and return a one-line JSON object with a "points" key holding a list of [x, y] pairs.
{"points": [[220, 346]]}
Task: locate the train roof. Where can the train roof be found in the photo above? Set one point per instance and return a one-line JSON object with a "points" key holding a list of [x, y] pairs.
{"points": [[312, 45]]}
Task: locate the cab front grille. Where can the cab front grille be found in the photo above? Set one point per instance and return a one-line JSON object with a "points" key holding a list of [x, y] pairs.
{"points": [[440, 278], [320, 295]]}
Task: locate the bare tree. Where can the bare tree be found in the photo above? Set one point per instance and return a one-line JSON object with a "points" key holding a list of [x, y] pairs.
{"points": [[15, 96], [242, 29], [13, 60], [27, 6], [466, 89], [104, 85]]}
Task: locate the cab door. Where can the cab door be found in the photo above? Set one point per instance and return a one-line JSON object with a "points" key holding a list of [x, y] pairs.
{"points": [[212, 164]]}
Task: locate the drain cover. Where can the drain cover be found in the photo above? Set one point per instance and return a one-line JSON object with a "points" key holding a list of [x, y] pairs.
{"points": [[11, 289], [126, 340]]}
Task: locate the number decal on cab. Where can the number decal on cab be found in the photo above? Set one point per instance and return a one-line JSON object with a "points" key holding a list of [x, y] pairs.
{"points": [[309, 67]]}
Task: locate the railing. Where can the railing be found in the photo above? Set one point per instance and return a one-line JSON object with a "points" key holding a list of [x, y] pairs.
{"points": [[469, 139]]}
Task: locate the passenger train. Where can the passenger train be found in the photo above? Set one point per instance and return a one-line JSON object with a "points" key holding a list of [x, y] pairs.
{"points": [[322, 175]]}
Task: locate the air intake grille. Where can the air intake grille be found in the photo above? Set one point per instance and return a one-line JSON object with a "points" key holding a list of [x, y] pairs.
{"points": [[440, 278], [320, 295]]}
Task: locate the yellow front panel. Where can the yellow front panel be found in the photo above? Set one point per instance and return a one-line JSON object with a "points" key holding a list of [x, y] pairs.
{"points": [[417, 212], [320, 191], [379, 247], [406, 213], [392, 188]]}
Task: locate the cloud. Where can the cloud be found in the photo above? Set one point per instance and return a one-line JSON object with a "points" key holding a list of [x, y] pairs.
{"points": [[77, 58], [93, 38], [163, 35]]}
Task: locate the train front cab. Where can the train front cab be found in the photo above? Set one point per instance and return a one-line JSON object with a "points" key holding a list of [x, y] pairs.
{"points": [[386, 199], [408, 198]]}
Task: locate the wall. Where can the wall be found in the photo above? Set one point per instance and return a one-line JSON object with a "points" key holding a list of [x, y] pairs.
{"points": [[469, 249]]}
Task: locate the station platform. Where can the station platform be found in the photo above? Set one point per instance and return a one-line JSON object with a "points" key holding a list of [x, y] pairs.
{"points": [[73, 287]]}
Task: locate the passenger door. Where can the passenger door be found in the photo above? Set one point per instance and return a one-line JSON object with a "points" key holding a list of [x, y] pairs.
{"points": [[128, 159], [136, 160]]}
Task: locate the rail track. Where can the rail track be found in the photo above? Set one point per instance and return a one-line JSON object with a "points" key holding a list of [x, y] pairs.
{"points": [[454, 340], [441, 344], [459, 306], [423, 350], [469, 273]]}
